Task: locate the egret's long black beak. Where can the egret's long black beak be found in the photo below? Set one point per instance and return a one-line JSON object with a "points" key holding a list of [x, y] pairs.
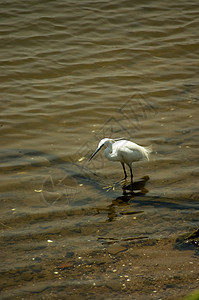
{"points": [[98, 149]]}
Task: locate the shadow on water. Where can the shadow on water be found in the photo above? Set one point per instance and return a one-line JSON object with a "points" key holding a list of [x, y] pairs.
{"points": [[58, 181], [72, 189], [128, 193], [71, 175], [135, 196]]}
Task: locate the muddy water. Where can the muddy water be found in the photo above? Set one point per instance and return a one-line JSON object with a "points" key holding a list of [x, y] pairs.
{"points": [[71, 74]]}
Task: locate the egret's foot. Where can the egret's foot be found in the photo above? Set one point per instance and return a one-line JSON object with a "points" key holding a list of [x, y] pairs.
{"points": [[123, 182], [114, 185], [110, 187], [107, 188]]}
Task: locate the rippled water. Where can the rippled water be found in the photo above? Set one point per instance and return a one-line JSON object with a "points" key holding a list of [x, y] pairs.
{"points": [[73, 72]]}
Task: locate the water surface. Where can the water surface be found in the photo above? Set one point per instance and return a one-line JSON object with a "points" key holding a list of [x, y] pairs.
{"points": [[73, 73]]}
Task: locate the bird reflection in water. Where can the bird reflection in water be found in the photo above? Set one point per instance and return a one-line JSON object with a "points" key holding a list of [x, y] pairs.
{"points": [[128, 194]]}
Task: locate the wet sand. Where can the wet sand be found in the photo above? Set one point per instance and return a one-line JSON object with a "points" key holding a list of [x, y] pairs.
{"points": [[147, 269]]}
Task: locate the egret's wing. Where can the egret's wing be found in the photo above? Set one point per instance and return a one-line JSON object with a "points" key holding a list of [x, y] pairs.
{"points": [[144, 151], [133, 151], [119, 139]]}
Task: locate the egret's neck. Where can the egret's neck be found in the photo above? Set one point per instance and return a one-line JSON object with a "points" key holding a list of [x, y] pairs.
{"points": [[108, 150]]}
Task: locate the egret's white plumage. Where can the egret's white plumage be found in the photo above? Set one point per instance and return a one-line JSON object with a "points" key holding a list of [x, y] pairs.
{"points": [[123, 151]]}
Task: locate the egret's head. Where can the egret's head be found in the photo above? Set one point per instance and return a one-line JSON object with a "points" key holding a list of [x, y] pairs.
{"points": [[103, 142], [106, 142]]}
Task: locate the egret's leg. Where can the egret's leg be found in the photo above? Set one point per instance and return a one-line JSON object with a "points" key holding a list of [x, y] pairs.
{"points": [[108, 188], [125, 175], [131, 174]]}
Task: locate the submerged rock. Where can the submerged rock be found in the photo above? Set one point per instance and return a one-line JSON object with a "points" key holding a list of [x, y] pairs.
{"points": [[193, 238], [188, 241]]}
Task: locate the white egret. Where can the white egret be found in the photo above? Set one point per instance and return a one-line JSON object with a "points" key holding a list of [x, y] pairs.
{"points": [[124, 151]]}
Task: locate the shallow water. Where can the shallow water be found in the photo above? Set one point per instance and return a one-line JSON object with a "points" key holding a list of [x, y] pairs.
{"points": [[71, 74]]}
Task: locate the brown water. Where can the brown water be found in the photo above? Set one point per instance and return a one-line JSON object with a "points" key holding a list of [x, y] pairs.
{"points": [[73, 72]]}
